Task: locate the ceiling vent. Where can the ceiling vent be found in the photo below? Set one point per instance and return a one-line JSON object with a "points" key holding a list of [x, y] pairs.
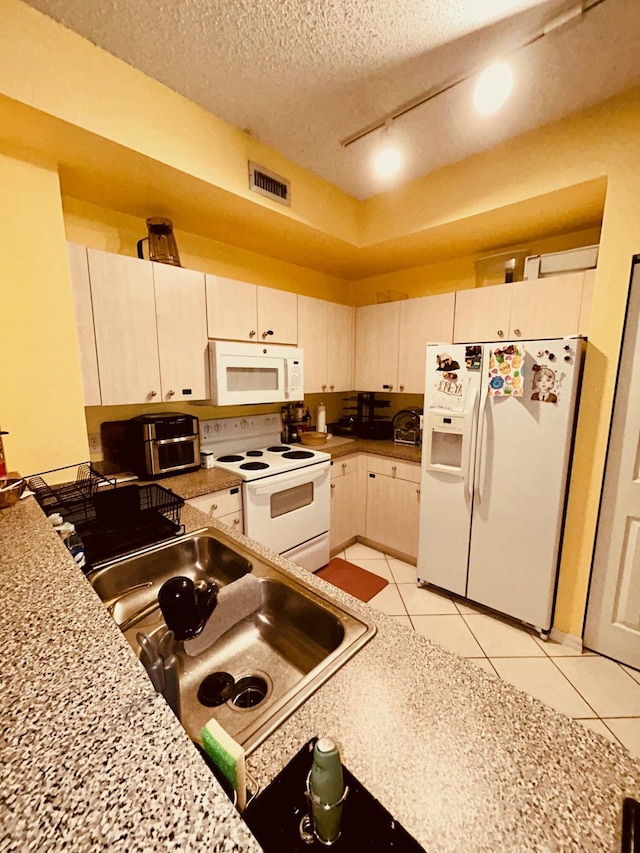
{"points": [[267, 183]]}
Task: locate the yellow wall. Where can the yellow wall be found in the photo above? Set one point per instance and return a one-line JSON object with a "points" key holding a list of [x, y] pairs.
{"points": [[40, 393], [113, 231]]}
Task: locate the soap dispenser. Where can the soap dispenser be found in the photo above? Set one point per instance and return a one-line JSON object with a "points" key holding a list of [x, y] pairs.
{"points": [[326, 790]]}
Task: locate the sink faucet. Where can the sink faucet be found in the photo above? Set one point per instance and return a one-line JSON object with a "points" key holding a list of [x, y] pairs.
{"points": [[186, 606], [111, 603]]}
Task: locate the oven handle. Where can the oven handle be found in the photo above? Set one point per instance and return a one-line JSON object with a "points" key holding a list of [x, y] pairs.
{"points": [[309, 474], [183, 438]]}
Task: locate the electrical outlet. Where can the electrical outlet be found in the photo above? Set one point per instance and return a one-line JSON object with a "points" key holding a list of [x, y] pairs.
{"points": [[95, 444]]}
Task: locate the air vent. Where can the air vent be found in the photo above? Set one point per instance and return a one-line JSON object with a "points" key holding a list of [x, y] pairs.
{"points": [[267, 183]]}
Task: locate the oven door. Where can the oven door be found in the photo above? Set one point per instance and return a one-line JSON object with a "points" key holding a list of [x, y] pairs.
{"points": [[288, 509]]}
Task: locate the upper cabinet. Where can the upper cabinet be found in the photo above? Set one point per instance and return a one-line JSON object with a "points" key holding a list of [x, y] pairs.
{"points": [[85, 333], [391, 340], [239, 311], [377, 342], [428, 319], [553, 307], [149, 322], [326, 334]]}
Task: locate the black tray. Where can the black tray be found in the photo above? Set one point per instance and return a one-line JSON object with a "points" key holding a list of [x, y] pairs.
{"points": [[274, 815]]}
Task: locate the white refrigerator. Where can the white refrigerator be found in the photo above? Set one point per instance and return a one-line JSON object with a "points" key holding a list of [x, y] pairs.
{"points": [[497, 439]]}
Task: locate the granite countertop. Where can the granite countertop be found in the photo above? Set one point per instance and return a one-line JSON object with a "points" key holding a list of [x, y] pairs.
{"points": [[93, 759]]}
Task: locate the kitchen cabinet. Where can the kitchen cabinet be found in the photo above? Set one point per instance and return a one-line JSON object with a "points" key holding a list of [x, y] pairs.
{"points": [[85, 333], [542, 308], [377, 344], [241, 311], [428, 319], [391, 340], [393, 505], [347, 500], [150, 329], [326, 332], [224, 505]]}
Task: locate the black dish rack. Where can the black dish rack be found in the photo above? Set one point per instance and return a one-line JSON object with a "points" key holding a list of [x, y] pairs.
{"points": [[112, 520]]}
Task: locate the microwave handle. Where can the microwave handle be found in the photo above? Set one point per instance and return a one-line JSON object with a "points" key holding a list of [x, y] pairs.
{"points": [[303, 476]]}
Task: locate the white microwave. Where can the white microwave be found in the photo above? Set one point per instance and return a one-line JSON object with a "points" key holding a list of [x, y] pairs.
{"points": [[244, 373]]}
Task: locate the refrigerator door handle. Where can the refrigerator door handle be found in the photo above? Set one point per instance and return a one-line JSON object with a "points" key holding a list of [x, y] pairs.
{"points": [[477, 476], [467, 448]]}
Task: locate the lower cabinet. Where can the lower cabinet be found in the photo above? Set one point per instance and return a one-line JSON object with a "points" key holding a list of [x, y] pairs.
{"points": [[377, 498], [224, 506], [347, 500], [393, 504]]}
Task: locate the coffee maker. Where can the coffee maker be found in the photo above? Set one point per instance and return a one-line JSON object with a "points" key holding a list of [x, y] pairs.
{"points": [[295, 419]]}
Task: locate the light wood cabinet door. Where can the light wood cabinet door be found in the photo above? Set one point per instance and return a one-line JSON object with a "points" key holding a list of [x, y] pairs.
{"points": [[232, 310], [343, 510], [181, 318], [393, 513], [482, 314], [339, 347], [312, 337], [546, 307], [377, 340], [428, 319], [587, 298], [125, 326], [277, 316], [83, 309]]}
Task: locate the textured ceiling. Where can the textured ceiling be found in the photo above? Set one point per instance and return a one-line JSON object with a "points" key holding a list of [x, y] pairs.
{"points": [[302, 75]]}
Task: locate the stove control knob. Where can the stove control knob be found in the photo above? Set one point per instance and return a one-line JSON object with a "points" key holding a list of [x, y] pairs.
{"points": [[244, 424]]}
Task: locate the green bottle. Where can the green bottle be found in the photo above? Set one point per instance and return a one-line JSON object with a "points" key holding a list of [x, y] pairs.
{"points": [[327, 790]]}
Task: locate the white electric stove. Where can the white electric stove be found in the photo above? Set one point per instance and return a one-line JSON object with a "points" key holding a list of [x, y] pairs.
{"points": [[285, 487]]}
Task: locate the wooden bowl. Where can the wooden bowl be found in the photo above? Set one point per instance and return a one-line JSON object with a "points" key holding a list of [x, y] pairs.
{"points": [[10, 491], [314, 437]]}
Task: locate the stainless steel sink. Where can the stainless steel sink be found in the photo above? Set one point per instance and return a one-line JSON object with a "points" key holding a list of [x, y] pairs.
{"points": [[277, 657]]}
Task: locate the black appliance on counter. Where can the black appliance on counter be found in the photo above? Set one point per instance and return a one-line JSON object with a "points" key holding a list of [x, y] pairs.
{"points": [[365, 422], [153, 445]]}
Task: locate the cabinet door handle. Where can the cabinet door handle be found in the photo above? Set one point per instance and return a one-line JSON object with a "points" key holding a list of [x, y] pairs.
{"points": [[517, 332], [324, 387], [153, 393], [387, 387], [394, 468], [236, 521], [252, 333], [417, 491], [332, 387], [214, 507], [333, 485], [344, 464], [170, 393], [500, 333], [267, 333], [402, 387]]}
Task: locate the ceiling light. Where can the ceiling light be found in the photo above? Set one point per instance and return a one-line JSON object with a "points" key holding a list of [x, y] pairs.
{"points": [[387, 161], [493, 88]]}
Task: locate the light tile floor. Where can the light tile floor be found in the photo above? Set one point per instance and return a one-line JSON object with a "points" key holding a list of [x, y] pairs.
{"points": [[598, 692]]}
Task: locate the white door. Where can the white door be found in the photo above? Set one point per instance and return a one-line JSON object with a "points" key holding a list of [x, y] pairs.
{"points": [[613, 612], [522, 459], [446, 492]]}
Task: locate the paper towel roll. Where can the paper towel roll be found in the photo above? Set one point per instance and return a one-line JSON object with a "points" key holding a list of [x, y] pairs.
{"points": [[321, 419]]}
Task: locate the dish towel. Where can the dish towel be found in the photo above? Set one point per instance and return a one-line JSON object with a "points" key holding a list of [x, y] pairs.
{"points": [[236, 601], [506, 371]]}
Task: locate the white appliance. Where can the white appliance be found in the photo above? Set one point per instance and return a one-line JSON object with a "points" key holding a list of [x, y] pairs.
{"points": [[497, 441], [245, 373], [285, 488]]}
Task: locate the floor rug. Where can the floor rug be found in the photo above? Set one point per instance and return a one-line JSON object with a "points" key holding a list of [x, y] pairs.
{"points": [[352, 579]]}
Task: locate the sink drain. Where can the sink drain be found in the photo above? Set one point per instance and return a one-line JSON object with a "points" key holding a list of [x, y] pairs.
{"points": [[249, 691]]}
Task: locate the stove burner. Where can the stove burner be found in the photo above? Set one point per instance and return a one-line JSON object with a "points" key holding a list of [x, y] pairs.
{"points": [[297, 454], [278, 448], [254, 466], [230, 458], [253, 453]]}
